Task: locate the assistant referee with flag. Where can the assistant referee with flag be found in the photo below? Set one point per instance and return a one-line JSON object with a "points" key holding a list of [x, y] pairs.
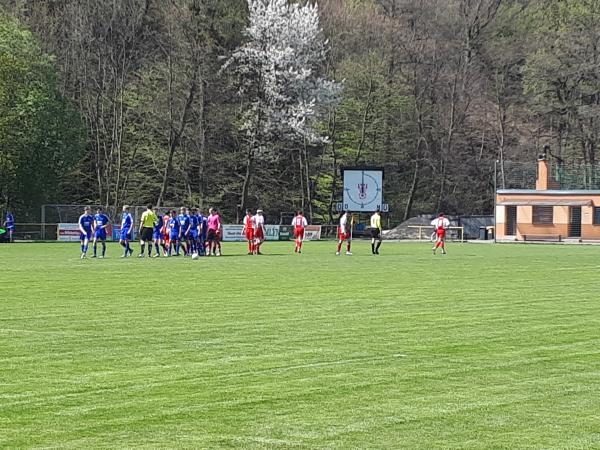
{"points": [[376, 232]]}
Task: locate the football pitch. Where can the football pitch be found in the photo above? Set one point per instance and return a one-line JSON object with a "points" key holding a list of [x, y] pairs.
{"points": [[490, 346]]}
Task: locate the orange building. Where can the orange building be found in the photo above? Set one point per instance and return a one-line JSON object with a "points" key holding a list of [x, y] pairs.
{"points": [[547, 213]]}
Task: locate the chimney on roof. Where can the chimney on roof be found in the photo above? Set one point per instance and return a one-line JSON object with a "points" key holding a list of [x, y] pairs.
{"points": [[543, 172]]}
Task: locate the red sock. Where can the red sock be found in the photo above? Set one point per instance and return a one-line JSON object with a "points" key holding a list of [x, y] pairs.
{"points": [[339, 247]]}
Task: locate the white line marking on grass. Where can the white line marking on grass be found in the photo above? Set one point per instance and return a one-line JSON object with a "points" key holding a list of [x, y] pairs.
{"points": [[29, 398], [323, 364], [91, 335], [261, 440], [61, 333]]}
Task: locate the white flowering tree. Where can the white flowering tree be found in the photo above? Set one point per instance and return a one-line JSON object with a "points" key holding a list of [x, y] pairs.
{"points": [[277, 71]]}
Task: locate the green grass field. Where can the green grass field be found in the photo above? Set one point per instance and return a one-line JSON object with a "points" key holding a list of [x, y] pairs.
{"points": [[486, 347]]}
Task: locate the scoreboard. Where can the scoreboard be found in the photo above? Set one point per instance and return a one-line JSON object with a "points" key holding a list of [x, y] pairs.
{"points": [[363, 190]]}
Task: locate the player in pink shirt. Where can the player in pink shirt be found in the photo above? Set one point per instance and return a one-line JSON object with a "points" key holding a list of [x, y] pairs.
{"points": [[214, 228], [219, 232]]}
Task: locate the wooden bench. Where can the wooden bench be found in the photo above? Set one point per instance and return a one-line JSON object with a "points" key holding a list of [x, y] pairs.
{"points": [[543, 237]]}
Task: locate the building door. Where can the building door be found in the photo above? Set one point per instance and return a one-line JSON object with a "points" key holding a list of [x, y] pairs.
{"points": [[511, 220], [575, 222]]}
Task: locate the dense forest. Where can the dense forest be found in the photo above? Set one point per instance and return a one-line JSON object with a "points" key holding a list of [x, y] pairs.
{"points": [[259, 103]]}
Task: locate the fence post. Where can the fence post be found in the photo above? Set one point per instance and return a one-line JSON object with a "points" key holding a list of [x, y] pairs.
{"points": [[43, 231], [495, 197]]}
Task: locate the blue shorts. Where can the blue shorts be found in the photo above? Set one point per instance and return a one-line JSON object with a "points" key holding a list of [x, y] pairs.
{"points": [[125, 234], [185, 237], [157, 235], [174, 237], [194, 235], [87, 235], [100, 234]]}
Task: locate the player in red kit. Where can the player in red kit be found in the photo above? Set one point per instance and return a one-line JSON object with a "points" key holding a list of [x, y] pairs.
{"points": [[299, 223], [258, 224], [166, 243], [344, 233], [440, 225], [248, 231]]}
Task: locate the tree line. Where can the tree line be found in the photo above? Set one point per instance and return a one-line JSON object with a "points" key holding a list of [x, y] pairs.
{"points": [[261, 102]]}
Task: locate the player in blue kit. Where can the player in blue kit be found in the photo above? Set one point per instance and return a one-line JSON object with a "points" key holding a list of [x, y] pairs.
{"points": [[101, 222], [157, 236], [86, 225], [9, 224], [173, 228], [194, 231], [126, 231], [203, 230], [184, 230]]}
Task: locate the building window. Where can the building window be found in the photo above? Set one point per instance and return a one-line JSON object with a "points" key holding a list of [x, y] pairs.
{"points": [[596, 215], [543, 215]]}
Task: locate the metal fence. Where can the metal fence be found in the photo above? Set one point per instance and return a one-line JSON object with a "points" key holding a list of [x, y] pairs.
{"points": [[31, 232], [35, 232], [515, 175], [52, 215], [563, 176], [572, 176]]}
